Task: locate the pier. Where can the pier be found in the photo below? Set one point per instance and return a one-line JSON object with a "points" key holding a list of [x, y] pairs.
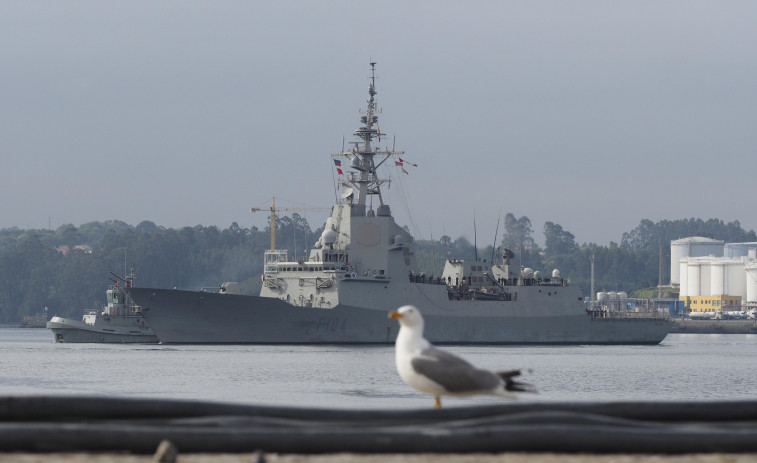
{"points": [[96, 425], [687, 325]]}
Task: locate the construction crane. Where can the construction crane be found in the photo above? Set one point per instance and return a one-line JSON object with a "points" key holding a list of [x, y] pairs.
{"points": [[273, 209]]}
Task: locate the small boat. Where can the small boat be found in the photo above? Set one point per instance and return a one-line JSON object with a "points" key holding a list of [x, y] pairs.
{"points": [[120, 321]]}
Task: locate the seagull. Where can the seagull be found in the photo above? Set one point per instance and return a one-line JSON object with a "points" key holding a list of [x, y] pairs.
{"points": [[437, 372]]}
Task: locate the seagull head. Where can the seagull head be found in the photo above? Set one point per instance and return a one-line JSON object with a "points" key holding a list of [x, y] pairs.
{"points": [[408, 316]]}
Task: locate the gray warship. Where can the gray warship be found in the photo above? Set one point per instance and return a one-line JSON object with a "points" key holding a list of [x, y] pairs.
{"points": [[363, 266]]}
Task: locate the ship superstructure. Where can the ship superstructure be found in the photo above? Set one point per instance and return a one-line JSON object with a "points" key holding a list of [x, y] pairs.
{"points": [[360, 242]]}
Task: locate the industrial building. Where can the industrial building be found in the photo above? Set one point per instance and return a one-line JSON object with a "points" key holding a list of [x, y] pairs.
{"points": [[714, 276]]}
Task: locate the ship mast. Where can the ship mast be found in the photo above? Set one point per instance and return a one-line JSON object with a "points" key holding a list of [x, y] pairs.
{"points": [[365, 159]]}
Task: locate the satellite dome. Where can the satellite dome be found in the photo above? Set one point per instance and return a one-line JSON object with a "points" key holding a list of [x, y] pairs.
{"points": [[328, 237]]}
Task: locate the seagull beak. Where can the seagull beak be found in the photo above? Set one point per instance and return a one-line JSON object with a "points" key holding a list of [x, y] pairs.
{"points": [[395, 314]]}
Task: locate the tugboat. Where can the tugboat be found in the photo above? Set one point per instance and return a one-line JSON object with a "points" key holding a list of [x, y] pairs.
{"points": [[363, 266], [120, 321]]}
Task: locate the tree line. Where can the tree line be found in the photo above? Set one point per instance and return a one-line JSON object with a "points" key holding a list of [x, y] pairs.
{"points": [[68, 269], [634, 264]]}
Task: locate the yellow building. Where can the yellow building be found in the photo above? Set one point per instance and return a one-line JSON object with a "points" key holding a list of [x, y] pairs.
{"points": [[714, 283], [711, 303]]}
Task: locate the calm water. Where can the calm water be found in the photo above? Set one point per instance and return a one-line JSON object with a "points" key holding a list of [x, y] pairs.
{"points": [[683, 367]]}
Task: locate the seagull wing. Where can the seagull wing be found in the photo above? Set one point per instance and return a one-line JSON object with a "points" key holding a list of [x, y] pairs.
{"points": [[453, 373]]}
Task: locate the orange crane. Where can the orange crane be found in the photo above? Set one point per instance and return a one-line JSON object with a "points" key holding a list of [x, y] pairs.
{"points": [[273, 209]]}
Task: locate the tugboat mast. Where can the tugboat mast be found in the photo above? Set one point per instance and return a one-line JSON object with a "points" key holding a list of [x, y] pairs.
{"points": [[359, 185]]}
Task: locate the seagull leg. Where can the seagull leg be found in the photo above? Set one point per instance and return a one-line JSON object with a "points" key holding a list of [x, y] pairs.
{"points": [[437, 402]]}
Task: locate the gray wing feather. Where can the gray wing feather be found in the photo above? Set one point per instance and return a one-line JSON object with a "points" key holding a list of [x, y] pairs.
{"points": [[453, 373]]}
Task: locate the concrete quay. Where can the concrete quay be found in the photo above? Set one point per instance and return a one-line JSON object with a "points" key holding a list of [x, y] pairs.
{"points": [[514, 457], [714, 326]]}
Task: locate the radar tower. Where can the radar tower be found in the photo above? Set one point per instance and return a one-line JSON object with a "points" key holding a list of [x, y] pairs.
{"points": [[365, 159]]}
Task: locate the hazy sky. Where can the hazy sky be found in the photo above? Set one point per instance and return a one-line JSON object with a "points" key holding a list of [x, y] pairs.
{"points": [[590, 114]]}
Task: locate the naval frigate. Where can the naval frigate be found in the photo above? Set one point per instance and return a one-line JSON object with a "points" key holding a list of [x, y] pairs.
{"points": [[363, 266]]}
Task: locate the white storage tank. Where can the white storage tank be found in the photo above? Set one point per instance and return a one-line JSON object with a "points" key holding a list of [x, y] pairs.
{"points": [[699, 275], [751, 281], [693, 274], [714, 276], [622, 300], [694, 246], [726, 276], [735, 281], [738, 249], [683, 271], [705, 279], [610, 300], [717, 278]]}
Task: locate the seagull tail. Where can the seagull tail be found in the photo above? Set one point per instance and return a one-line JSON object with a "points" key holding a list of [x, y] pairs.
{"points": [[513, 385]]}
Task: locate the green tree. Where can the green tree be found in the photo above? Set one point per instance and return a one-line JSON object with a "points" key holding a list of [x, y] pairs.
{"points": [[557, 240], [518, 232], [69, 235]]}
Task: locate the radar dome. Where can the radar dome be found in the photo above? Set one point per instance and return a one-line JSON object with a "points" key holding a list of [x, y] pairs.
{"points": [[555, 273], [328, 237]]}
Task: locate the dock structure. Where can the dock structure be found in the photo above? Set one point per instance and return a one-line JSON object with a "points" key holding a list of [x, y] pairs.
{"points": [[138, 426], [689, 326]]}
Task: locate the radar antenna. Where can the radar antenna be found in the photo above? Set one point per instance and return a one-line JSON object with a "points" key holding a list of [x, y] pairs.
{"points": [[365, 158]]}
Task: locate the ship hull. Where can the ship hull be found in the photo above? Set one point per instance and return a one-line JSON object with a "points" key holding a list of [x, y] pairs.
{"points": [[116, 330], [197, 317]]}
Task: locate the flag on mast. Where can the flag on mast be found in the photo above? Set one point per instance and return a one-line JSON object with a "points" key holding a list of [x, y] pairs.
{"points": [[401, 164], [338, 164]]}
